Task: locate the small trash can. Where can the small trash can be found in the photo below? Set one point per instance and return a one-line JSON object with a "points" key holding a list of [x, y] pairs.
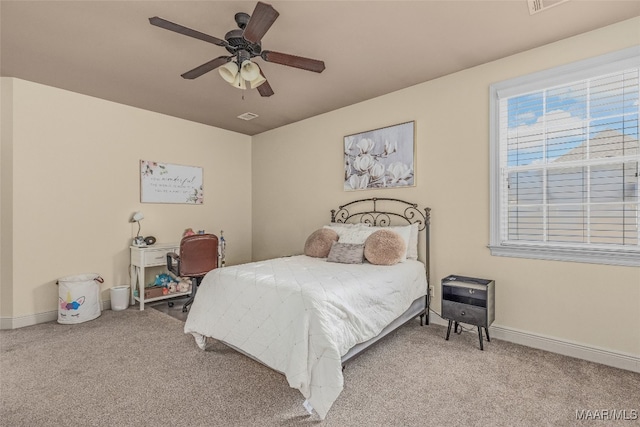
{"points": [[79, 298], [119, 297]]}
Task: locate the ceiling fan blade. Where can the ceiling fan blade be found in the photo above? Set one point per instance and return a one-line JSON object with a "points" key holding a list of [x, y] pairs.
{"points": [[205, 68], [172, 26], [293, 61], [264, 15], [265, 88]]}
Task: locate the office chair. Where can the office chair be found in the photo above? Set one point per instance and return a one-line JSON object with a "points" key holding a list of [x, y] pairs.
{"points": [[198, 256]]}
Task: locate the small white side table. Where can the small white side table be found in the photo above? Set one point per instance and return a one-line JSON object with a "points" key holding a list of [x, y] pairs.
{"points": [[149, 256]]}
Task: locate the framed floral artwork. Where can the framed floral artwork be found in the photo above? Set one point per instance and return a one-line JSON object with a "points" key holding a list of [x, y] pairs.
{"points": [[169, 183], [380, 158]]}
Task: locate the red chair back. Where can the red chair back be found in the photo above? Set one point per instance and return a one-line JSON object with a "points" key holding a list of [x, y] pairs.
{"points": [[198, 255]]}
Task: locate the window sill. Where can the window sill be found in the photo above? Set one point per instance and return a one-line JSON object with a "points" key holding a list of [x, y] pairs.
{"points": [[593, 256]]}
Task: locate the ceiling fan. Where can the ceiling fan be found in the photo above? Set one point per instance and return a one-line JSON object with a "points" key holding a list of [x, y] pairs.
{"points": [[243, 45]]}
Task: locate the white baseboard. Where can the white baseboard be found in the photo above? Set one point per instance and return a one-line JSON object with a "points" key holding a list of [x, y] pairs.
{"points": [[629, 362], [34, 319], [29, 320]]}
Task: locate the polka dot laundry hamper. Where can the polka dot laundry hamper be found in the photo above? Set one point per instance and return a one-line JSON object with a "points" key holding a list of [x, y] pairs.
{"points": [[79, 298]]}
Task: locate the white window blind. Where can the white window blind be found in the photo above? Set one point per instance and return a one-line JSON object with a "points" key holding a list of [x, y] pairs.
{"points": [[566, 167]]}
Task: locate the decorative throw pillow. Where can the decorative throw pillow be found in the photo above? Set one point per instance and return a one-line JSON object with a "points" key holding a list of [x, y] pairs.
{"points": [[405, 232], [346, 253], [318, 244], [359, 232], [384, 247]]}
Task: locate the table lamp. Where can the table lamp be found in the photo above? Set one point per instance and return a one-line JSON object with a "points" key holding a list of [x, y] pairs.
{"points": [[138, 240]]}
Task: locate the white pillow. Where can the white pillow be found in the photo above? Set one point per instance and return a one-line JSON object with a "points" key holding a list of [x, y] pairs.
{"points": [[356, 235], [343, 228], [347, 225], [412, 247]]}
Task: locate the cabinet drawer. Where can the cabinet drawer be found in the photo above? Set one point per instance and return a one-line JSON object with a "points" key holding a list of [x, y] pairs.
{"points": [[152, 258], [464, 313]]}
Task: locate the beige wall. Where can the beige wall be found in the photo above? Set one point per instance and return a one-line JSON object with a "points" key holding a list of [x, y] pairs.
{"points": [[6, 194], [75, 184], [297, 178], [69, 183]]}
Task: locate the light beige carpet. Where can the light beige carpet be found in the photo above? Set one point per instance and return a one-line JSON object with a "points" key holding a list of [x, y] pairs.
{"points": [[132, 368]]}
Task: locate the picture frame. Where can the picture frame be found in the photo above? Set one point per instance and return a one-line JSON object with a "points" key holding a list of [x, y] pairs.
{"points": [[380, 158], [170, 183]]}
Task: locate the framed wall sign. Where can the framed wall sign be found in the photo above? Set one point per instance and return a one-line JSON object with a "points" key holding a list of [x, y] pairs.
{"points": [[169, 183], [380, 158]]}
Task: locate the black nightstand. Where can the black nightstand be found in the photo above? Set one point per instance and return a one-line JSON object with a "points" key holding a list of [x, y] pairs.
{"points": [[468, 300]]}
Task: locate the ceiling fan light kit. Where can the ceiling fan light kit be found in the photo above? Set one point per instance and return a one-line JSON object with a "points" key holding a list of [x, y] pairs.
{"points": [[229, 71], [257, 81], [239, 82], [244, 44], [239, 76], [249, 70]]}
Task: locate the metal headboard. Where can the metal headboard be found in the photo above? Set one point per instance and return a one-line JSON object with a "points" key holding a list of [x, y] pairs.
{"points": [[368, 211]]}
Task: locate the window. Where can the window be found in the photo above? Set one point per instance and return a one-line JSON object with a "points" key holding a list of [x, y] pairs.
{"points": [[565, 162]]}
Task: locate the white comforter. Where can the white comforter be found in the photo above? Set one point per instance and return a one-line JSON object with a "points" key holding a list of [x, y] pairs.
{"points": [[299, 315]]}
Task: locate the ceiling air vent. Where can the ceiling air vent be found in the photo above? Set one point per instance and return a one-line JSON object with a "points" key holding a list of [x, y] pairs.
{"points": [[536, 6], [247, 116]]}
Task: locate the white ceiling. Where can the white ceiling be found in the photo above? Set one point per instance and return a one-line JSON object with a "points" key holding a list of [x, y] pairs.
{"points": [[108, 49]]}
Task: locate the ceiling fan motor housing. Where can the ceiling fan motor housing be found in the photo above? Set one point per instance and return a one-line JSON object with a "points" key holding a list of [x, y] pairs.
{"points": [[242, 19], [238, 42]]}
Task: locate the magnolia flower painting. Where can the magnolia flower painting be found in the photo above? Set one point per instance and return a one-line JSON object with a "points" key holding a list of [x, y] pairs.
{"points": [[380, 158]]}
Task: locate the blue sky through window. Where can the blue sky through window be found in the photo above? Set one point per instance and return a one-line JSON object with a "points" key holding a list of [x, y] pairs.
{"points": [[547, 124]]}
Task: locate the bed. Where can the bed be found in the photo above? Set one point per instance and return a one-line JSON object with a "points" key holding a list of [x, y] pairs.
{"points": [[306, 316]]}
